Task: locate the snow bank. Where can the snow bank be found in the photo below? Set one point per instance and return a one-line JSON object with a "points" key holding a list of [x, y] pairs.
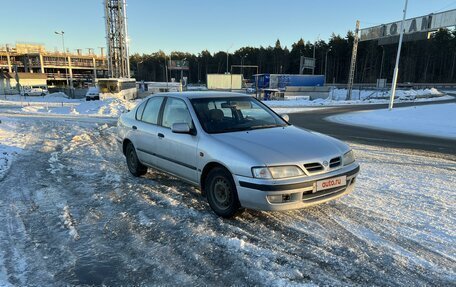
{"points": [[429, 120], [336, 97], [58, 97], [107, 107], [10, 146]]}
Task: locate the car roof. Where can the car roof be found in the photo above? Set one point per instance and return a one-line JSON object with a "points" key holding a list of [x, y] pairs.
{"points": [[202, 94]]}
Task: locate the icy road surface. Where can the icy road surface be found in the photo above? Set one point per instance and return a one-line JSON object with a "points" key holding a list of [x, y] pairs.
{"points": [[70, 214]]}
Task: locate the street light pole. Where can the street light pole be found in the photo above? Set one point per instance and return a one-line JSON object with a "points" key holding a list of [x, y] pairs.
{"points": [[62, 33], [227, 55], [396, 67], [315, 43], [242, 63], [182, 72], [381, 64], [326, 61], [227, 61], [137, 69], [166, 73]]}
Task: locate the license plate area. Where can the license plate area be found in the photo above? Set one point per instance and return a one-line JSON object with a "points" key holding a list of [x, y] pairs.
{"points": [[331, 183]]}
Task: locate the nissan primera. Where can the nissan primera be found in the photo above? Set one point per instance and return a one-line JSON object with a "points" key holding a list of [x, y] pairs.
{"points": [[240, 153]]}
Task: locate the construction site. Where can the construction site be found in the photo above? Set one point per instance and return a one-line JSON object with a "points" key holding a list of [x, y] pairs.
{"points": [[29, 65]]}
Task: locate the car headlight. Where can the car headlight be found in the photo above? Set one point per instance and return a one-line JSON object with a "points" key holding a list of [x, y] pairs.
{"points": [[349, 158], [277, 172], [261, 172]]}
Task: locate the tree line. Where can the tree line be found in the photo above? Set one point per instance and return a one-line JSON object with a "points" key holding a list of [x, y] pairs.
{"points": [[424, 61]]}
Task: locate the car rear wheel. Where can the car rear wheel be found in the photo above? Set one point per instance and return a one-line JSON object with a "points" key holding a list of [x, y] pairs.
{"points": [[221, 193], [135, 167]]}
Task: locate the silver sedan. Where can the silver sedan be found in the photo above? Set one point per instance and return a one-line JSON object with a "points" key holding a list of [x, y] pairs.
{"points": [[239, 152]]}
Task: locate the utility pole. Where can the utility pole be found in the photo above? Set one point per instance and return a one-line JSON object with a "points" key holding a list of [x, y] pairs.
{"points": [[396, 67], [351, 75]]}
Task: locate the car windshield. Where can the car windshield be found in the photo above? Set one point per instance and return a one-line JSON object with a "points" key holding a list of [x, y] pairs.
{"points": [[221, 115]]}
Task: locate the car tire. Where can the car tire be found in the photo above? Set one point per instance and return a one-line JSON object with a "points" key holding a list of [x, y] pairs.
{"points": [[26, 95], [97, 98], [135, 167], [43, 94], [221, 193]]}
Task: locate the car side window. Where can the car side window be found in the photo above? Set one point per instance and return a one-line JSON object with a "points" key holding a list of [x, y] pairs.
{"points": [[140, 110], [152, 110], [176, 111]]}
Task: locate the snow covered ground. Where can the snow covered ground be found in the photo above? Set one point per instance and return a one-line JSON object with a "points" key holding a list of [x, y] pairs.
{"points": [[429, 120], [72, 215]]}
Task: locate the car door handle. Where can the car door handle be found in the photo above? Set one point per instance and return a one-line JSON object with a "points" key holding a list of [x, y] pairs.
{"points": [[160, 135], [134, 127]]}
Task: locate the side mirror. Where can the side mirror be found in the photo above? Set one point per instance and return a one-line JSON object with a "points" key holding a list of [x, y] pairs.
{"points": [[180, 128], [285, 117]]}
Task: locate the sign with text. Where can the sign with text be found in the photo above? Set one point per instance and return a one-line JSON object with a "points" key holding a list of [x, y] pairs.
{"points": [[419, 24]]}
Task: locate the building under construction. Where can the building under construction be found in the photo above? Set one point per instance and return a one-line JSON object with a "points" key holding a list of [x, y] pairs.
{"points": [[60, 68]]}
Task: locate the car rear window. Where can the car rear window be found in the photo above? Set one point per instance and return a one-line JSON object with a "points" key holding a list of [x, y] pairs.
{"points": [[140, 110], [152, 109]]}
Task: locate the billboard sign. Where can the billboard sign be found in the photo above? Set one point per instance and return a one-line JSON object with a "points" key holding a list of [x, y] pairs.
{"points": [[309, 63], [178, 65], [426, 23]]}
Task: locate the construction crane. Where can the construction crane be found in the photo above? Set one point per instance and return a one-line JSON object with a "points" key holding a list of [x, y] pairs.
{"points": [[117, 39]]}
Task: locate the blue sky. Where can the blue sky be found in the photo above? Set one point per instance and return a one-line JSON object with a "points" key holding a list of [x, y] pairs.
{"points": [[196, 25]]}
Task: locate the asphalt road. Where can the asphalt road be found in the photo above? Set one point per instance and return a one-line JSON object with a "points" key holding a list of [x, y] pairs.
{"points": [[315, 120]]}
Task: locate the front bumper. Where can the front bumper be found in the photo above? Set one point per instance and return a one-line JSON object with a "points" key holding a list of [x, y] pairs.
{"points": [[299, 192]]}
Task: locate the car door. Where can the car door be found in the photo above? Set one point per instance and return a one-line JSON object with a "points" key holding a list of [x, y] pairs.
{"points": [[176, 153], [146, 140]]}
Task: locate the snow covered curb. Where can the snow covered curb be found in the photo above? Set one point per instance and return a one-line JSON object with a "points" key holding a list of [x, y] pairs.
{"points": [[429, 120]]}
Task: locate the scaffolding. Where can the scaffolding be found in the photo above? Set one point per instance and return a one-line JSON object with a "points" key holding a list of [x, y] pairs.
{"points": [[116, 38]]}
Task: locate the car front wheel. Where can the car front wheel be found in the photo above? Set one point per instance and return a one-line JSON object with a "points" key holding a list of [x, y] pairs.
{"points": [[221, 193], [135, 167]]}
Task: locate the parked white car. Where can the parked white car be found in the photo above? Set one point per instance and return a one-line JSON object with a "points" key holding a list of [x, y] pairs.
{"points": [[237, 150], [93, 94], [35, 92]]}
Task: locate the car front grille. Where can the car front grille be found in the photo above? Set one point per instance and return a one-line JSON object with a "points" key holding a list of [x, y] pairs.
{"points": [[335, 162], [313, 167]]}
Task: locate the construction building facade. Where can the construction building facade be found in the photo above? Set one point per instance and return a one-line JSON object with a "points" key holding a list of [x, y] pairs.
{"points": [[61, 68]]}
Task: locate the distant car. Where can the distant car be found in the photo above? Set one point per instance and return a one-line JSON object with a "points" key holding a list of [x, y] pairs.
{"points": [[236, 150], [93, 94], [35, 92]]}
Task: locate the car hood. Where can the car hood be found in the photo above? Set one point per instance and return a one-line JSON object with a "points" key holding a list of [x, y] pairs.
{"points": [[284, 145]]}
